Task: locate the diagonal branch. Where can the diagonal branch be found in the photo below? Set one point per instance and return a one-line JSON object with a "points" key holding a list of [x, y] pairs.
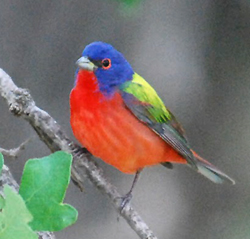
{"points": [[21, 104]]}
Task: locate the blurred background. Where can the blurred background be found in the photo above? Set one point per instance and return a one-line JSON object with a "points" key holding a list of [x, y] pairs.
{"points": [[195, 53]]}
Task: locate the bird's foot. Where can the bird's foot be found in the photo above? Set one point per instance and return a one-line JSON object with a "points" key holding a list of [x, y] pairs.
{"points": [[79, 151], [125, 200]]}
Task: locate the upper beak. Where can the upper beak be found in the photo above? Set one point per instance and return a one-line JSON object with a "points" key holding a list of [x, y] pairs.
{"points": [[85, 63]]}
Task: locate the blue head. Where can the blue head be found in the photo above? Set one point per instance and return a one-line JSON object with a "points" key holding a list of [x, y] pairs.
{"points": [[109, 65]]}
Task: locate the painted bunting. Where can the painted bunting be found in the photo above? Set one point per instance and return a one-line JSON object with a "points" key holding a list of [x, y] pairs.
{"points": [[120, 118]]}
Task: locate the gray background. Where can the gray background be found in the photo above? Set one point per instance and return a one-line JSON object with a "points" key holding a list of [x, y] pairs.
{"points": [[196, 54]]}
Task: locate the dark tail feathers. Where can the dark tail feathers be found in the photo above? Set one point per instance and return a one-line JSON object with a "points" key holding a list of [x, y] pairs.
{"points": [[211, 172]]}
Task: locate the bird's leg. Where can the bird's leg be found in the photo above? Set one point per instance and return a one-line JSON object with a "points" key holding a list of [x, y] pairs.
{"points": [[128, 196]]}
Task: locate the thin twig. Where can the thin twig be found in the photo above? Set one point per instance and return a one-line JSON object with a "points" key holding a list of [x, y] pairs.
{"points": [[13, 153], [21, 104]]}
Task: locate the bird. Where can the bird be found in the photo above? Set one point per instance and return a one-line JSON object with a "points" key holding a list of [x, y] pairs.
{"points": [[119, 118]]}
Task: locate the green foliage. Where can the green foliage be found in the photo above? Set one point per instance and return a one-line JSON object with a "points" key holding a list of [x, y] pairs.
{"points": [[129, 8], [15, 217], [1, 167], [43, 186], [1, 162], [130, 3]]}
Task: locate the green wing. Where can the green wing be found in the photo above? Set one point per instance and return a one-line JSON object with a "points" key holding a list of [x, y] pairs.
{"points": [[147, 106]]}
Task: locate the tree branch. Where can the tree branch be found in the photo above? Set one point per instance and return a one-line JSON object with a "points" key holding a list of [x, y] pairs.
{"points": [[21, 104]]}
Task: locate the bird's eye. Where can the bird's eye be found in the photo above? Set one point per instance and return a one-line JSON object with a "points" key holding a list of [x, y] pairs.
{"points": [[106, 63]]}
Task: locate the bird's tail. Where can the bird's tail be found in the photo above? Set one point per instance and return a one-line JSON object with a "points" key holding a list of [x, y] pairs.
{"points": [[210, 171]]}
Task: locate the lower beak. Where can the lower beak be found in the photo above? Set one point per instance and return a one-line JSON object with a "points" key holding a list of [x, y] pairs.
{"points": [[85, 64]]}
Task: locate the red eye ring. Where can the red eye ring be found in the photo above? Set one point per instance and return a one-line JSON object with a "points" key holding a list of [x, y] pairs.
{"points": [[106, 63]]}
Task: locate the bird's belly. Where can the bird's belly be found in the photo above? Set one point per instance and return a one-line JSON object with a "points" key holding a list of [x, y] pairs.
{"points": [[111, 132]]}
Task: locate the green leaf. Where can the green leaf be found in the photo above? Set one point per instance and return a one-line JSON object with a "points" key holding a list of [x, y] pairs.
{"points": [[1, 162], [43, 186], [15, 217]]}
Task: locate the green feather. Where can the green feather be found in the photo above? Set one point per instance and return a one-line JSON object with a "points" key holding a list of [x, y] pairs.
{"points": [[139, 88]]}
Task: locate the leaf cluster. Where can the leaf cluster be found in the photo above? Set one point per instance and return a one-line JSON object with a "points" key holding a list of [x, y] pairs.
{"points": [[39, 204]]}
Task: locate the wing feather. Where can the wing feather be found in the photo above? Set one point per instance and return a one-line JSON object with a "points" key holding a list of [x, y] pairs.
{"points": [[142, 100]]}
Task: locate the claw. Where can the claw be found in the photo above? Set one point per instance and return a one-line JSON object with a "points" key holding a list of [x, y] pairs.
{"points": [[78, 151], [125, 200]]}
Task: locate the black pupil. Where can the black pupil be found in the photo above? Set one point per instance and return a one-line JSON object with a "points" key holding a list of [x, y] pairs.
{"points": [[105, 63]]}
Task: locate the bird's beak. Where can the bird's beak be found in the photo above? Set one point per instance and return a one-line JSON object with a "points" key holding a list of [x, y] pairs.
{"points": [[85, 64]]}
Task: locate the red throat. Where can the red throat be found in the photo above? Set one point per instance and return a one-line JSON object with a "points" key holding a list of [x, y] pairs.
{"points": [[86, 81], [87, 96]]}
